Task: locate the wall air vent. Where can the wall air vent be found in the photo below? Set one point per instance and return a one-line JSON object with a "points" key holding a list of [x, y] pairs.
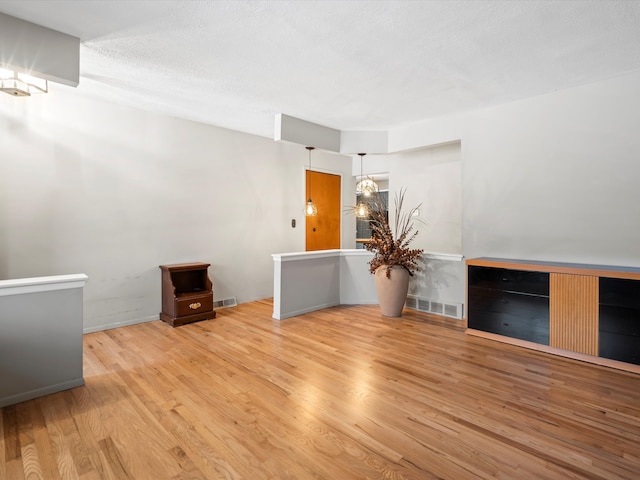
{"points": [[453, 310], [227, 302]]}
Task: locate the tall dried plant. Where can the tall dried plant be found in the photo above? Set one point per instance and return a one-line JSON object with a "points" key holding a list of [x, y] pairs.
{"points": [[391, 247]]}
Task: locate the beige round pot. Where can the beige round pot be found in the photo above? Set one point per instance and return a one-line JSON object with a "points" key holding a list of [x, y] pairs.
{"points": [[392, 292]]}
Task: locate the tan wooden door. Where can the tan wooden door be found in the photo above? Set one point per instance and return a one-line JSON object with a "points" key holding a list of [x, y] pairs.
{"points": [[323, 230]]}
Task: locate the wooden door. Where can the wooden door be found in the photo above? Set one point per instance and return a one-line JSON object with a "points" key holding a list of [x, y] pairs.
{"points": [[323, 230]]}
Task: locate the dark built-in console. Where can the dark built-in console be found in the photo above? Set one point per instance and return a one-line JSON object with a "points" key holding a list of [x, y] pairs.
{"points": [[589, 312]]}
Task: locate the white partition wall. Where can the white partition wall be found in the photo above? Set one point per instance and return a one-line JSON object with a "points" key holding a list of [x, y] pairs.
{"points": [[304, 282], [308, 281], [357, 285], [40, 336]]}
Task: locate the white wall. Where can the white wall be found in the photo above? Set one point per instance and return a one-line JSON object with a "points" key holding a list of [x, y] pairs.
{"points": [[113, 192], [432, 177], [555, 177]]}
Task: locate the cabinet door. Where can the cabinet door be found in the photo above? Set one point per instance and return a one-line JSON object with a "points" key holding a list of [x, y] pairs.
{"points": [[573, 305], [507, 302], [619, 324], [514, 315]]}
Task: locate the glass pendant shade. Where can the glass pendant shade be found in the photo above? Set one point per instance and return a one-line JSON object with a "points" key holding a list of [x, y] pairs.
{"points": [[21, 84], [362, 211], [310, 209], [366, 186]]}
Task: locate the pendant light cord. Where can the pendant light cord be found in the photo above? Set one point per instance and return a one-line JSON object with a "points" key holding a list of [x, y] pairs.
{"points": [[310, 148]]}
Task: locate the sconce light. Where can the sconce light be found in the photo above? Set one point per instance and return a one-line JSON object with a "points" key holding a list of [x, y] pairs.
{"points": [[310, 209], [21, 84], [366, 185]]}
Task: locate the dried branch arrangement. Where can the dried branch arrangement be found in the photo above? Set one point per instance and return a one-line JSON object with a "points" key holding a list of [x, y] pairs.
{"points": [[391, 247]]}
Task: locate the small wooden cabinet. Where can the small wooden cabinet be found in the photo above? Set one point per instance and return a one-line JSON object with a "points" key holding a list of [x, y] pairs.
{"points": [[589, 312], [187, 293]]}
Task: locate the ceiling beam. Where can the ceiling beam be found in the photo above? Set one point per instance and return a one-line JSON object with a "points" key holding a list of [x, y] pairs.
{"points": [[39, 51], [291, 129]]}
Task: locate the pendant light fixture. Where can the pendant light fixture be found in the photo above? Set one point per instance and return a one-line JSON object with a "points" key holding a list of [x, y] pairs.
{"points": [[310, 209], [366, 185], [362, 210]]}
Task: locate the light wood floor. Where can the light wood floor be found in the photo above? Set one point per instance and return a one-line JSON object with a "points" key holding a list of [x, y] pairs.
{"points": [[338, 394]]}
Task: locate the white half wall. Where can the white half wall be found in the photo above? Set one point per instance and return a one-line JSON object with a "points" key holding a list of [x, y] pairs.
{"points": [[357, 284], [308, 281], [40, 336], [305, 282]]}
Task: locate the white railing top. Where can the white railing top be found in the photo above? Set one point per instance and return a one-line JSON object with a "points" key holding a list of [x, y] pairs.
{"points": [[288, 257], [452, 257], [42, 284]]}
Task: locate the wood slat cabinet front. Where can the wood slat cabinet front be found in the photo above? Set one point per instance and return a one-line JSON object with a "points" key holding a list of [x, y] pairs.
{"points": [[587, 312], [573, 312], [187, 293]]}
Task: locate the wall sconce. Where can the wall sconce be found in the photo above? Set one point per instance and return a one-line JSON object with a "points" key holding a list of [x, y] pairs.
{"points": [[20, 84]]}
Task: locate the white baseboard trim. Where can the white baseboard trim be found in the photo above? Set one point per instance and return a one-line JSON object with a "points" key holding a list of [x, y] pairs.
{"points": [[282, 316], [109, 326], [39, 392], [364, 301]]}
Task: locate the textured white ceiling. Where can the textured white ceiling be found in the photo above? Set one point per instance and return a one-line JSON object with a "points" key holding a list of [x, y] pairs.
{"points": [[349, 65]]}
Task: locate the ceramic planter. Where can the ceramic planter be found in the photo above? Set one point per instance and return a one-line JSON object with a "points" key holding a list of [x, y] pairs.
{"points": [[392, 292]]}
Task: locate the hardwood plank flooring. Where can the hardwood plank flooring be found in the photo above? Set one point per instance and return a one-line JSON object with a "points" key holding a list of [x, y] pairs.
{"points": [[341, 393]]}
